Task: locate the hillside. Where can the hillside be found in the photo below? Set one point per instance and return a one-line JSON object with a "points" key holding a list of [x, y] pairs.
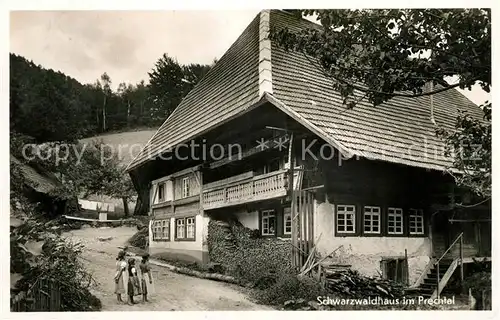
{"points": [[67, 110], [126, 144]]}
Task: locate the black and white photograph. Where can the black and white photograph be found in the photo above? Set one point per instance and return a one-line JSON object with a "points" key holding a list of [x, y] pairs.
{"points": [[250, 159]]}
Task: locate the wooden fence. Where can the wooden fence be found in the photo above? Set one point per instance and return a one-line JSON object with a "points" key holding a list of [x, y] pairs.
{"points": [[45, 295], [302, 227]]}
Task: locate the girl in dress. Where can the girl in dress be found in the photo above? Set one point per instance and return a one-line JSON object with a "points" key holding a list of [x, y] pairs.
{"points": [[121, 276], [134, 287], [146, 278]]}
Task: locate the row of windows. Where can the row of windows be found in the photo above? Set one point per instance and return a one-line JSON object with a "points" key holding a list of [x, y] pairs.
{"points": [[184, 229], [345, 223], [372, 220]]}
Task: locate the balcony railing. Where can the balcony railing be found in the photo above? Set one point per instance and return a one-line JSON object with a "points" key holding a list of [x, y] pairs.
{"points": [[266, 186]]}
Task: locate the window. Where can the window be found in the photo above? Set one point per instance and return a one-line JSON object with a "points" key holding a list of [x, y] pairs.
{"points": [[168, 190], [185, 228], [161, 230], [161, 192], [190, 228], [180, 228], [268, 223], [416, 221], [394, 221], [185, 187], [346, 219], [371, 220], [287, 221]]}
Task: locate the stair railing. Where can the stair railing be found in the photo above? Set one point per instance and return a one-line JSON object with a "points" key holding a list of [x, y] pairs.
{"points": [[461, 239], [424, 273]]}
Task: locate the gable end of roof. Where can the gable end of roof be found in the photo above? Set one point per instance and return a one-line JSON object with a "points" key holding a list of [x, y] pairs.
{"points": [[265, 64]]}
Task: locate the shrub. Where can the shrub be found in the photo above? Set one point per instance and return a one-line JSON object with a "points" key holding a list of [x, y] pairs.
{"points": [[44, 255], [480, 285], [140, 239]]}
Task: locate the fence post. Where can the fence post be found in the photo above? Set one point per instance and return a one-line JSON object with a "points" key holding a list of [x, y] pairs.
{"points": [[438, 276], [462, 262], [407, 269]]}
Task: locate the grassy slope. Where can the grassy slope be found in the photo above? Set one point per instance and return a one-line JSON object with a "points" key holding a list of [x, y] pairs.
{"points": [[126, 144]]}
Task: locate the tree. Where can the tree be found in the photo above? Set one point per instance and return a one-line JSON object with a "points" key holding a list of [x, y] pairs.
{"points": [[193, 73], [166, 87], [84, 169], [170, 82], [67, 110], [106, 86], [381, 54], [142, 105], [52, 98]]}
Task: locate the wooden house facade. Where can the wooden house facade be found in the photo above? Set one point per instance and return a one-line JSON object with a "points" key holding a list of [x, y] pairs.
{"points": [[264, 127]]}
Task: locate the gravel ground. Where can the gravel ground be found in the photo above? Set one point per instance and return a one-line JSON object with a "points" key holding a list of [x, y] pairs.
{"points": [[173, 291]]}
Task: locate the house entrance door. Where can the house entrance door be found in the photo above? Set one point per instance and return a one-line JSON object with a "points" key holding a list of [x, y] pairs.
{"points": [[440, 233]]}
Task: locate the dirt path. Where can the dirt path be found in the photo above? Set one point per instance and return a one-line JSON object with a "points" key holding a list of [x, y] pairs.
{"points": [[173, 291]]}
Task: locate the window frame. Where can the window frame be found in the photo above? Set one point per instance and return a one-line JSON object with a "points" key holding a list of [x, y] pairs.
{"points": [[416, 213], [264, 215], [185, 225], [372, 214], [353, 213], [161, 192], [396, 212], [158, 232], [287, 212], [185, 187], [193, 225]]}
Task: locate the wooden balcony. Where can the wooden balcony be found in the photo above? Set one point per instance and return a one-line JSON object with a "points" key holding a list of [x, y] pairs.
{"points": [[244, 188]]}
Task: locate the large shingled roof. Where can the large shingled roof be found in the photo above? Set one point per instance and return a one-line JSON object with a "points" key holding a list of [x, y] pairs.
{"points": [[399, 131], [42, 182]]}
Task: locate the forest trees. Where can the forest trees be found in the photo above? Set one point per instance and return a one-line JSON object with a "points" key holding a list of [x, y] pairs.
{"points": [[68, 110], [381, 54], [179, 79]]}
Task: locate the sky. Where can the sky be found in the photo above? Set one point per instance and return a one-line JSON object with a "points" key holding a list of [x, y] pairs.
{"points": [[126, 44]]}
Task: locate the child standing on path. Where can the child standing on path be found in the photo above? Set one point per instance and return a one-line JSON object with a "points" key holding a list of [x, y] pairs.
{"points": [[134, 287], [146, 278], [120, 278]]}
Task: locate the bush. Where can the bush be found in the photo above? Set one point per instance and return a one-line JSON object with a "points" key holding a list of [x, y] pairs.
{"points": [[480, 285], [44, 255], [140, 239]]}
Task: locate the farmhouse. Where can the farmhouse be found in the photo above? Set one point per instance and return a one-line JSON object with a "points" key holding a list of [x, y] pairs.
{"points": [[264, 127], [39, 185]]}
